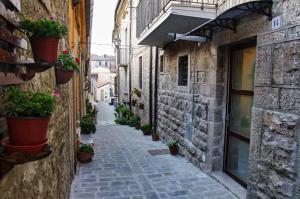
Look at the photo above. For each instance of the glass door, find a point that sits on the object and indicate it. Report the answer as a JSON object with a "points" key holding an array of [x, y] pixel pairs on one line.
{"points": [[239, 112]]}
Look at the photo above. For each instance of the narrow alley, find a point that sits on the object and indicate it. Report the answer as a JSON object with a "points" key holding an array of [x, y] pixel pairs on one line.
{"points": [[123, 168]]}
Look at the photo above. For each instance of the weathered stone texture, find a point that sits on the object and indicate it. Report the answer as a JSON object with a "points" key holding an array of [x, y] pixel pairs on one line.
{"points": [[51, 177], [276, 171]]}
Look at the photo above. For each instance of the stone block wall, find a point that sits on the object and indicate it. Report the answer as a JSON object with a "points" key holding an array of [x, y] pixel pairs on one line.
{"points": [[274, 150], [51, 177]]}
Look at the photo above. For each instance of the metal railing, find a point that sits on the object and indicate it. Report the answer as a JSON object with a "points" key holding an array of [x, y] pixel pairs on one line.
{"points": [[122, 55], [224, 5], [148, 10]]}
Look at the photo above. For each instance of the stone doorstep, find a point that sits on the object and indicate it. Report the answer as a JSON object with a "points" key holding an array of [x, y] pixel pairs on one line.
{"points": [[230, 184]]}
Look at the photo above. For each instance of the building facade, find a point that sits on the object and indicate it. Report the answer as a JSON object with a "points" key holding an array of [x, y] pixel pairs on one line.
{"points": [[103, 73], [225, 86], [52, 176]]}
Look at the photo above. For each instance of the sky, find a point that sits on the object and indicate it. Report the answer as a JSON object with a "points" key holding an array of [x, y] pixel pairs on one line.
{"points": [[103, 24]]}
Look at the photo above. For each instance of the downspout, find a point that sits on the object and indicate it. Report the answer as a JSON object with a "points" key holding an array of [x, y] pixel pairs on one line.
{"points": [[194, 82], [156, 89], [130, 53], [150, 89]]}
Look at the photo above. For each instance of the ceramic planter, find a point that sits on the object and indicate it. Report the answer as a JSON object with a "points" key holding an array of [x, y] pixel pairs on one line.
{"points": [[32, 149], [84, 157], [173, 150], [147, 132], [27, 131], [44, 49], [137, 127], [63, 77], [155, 137]]}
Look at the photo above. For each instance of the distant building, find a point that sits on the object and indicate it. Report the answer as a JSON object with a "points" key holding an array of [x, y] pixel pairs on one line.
{"points": [[103, 77]]}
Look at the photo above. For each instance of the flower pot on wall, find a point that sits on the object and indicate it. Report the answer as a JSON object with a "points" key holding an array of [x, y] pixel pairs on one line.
{"points": [[44, 49], [63, 77], [27, 131]]}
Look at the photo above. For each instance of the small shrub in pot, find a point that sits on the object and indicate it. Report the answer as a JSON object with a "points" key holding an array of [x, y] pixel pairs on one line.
{"points": [[44, 35], [173, 147], [87, 125], [85, 153], [28, 114], [147, 129], [155, 136]]}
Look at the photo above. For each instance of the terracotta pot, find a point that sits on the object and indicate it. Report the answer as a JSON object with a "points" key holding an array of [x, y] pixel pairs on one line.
{"points": [[147, 132], [173, 150], [138, 127], [44, 49], [27, 131], [33, 149], [63, 77], [84, 157], [155, 137]]}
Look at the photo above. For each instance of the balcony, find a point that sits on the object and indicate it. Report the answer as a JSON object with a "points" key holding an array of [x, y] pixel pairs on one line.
{"points": [[122, 55], [157, 18]]}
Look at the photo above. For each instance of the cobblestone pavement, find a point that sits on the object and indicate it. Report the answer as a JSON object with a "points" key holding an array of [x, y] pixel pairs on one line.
{"points": [[124, 169]]}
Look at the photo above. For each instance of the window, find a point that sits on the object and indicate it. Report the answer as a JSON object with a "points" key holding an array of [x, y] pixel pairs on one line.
{"points": [[141, 72], [105, 64], [162, 67], [183, 69]]}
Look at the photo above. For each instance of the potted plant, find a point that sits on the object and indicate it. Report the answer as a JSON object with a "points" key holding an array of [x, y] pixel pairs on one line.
{"points": [[44, 35], [134, 120], [173, 147], [147, 129], [137, 126], [155, 136], [87, 127], [91, 111], [28, 114], [138, 92], [66, 71], [124, 111], [121, 121], [85, 153]]}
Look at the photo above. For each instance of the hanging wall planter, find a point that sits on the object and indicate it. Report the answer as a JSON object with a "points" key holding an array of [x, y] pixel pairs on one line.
{"points": [[44, 37], [65, 72], [28, 115], [141, 106], [44, 49]]}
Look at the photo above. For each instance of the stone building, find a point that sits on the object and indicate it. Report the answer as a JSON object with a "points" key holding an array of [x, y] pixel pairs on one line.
{"points": [[52, 176], [225, 86], [133, 61]]}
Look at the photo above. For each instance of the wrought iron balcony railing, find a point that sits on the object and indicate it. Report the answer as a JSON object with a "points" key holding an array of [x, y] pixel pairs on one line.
{"points": [[148, 10]]}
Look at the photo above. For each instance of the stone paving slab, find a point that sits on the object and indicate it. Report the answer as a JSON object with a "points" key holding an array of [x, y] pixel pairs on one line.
{"points": [[123, 169]]}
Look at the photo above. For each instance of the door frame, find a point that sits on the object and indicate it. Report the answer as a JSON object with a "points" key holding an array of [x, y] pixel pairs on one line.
{"points": [[251, 42]]}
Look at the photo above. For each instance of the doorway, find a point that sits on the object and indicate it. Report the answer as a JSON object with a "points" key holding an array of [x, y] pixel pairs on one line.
{"points": [[240, 102]]}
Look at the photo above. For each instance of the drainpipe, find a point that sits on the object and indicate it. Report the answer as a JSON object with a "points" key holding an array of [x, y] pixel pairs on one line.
{"points": [[150, 88], [130, 53], [156, 88]]}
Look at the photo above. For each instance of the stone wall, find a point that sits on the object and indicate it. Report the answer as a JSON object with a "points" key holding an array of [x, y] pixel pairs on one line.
{"points": [[50, 177], [274, 146]]}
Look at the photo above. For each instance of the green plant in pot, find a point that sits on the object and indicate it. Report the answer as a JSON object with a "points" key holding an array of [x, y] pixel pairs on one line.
{"points": [[155, 136], [28, 114], [65, 72], [147, 129], [134, 121], [87, 125], [44, 35], [85, 153], [173, 147], [121, 121], [124, 111], [91, 111]]}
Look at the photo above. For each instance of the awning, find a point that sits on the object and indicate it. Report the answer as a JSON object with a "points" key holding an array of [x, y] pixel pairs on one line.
{"points": [[228, 18]]}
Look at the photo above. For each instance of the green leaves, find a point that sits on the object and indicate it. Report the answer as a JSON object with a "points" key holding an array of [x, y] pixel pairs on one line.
{"points": [[87, 125], [146, 127], [19, 103], [87, 148], [44, 27], [68, 63]]}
